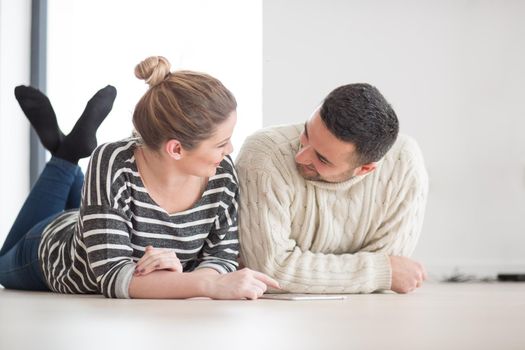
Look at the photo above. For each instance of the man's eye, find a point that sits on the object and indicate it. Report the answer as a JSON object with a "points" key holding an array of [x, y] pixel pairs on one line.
{"points": [[322, 160]]}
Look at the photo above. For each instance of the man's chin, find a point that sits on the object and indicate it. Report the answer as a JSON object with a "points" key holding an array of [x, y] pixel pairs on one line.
{"points": [[308, 174]]}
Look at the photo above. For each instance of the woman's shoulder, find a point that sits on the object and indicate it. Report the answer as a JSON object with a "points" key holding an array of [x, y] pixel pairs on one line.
{"points": [[110, 159], [112, 150]]}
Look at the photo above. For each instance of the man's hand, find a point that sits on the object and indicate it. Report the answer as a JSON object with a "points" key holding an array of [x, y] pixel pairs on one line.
{"points": [[407, 274]]}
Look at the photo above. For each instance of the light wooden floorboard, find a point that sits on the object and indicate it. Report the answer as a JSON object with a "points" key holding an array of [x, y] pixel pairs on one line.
{"points": [[437, 316]]}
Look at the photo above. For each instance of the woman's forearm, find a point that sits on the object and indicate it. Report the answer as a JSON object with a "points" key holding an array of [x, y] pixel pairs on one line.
{"points": [[205, 282], [172, 285]]}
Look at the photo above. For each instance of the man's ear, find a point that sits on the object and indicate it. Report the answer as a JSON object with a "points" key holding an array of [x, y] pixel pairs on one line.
{"points": [[365, 169], [174, 149]]}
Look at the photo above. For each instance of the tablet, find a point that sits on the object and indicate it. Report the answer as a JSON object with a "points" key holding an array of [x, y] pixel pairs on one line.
{"points": [[295, 296]]}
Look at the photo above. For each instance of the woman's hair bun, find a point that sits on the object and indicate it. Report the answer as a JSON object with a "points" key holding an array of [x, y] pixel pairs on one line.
{"points": [[153, 70]]}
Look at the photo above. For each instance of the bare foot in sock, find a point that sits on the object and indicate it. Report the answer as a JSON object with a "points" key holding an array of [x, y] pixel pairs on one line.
{"points": [[41, 115], [82, 140]]}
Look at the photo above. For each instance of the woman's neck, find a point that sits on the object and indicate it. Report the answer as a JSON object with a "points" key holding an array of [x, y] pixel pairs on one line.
{"points": [[159, 171], [168, 186]]}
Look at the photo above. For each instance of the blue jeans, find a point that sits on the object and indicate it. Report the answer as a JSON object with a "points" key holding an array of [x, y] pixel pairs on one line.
{"points": [[57, 189]]}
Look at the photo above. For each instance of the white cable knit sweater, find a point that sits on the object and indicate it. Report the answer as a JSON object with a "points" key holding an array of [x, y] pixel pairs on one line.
{"points": [[317, 237]]}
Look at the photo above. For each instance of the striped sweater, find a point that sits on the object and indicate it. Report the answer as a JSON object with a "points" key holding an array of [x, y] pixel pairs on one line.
{"points": [[95, 249]]}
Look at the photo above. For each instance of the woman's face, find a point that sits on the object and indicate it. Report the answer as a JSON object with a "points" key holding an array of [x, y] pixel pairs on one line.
{"points": [[205, 158]]}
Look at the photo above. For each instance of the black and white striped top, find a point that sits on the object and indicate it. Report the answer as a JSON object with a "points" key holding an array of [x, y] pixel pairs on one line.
{"points": [[94, 250]]}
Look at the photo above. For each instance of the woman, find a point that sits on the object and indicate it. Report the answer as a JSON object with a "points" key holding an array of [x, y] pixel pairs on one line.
{"points": [[158, 213]]}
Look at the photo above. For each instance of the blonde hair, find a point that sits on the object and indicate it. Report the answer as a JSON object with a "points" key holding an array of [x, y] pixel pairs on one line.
{"points": [[183, 105]]}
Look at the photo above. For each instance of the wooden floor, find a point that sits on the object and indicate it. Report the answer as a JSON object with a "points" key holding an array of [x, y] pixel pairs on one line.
{"points": [[438, 316]]}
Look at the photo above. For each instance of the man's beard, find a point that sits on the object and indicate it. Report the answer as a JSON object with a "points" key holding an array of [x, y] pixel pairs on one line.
{"points": [[309, 173]]}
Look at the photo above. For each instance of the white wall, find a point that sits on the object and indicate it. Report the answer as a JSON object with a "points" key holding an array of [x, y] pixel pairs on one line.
{"points": [[99, 42], [15, 35], [221, 38], [454, 72]]}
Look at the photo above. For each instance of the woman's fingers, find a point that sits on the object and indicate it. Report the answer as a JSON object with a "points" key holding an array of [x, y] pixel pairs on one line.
{"points": [[256, 288], [255, 292], [161, 263], [260, 287], [152, 256], [256, 283], [157, 259], [270, 282]]}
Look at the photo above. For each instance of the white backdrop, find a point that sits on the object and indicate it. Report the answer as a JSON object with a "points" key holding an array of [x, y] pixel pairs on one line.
{"points": [[454, 72], [15, 33], [98, 42]]}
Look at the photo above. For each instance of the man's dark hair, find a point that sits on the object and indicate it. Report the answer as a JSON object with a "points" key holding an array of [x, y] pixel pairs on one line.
{"points": [[359, 114]]}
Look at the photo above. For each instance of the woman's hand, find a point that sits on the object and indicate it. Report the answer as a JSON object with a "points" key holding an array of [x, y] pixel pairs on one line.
{"points": [[157, 259], [242, 284]]}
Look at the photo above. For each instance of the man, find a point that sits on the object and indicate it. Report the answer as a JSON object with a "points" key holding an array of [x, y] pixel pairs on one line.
{"points": [[334, 205]]}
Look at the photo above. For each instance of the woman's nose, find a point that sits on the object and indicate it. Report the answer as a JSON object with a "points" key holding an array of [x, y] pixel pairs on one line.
{"points": [[228, 149]]}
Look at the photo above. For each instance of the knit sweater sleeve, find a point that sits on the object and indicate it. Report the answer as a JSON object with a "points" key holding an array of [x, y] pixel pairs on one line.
{"points": [[269, 244], [105, 230]]}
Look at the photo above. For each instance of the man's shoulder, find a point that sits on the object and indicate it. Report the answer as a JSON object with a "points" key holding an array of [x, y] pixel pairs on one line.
{"points": [[276, 135], [403, 158], [405, 149], [271, 151], [271, 143]]}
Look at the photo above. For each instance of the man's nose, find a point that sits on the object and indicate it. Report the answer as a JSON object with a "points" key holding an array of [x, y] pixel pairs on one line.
{"points": [[302, 157]]}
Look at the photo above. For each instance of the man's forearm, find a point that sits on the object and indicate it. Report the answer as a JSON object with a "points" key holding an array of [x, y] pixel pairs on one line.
{"points": [[308, 272]]}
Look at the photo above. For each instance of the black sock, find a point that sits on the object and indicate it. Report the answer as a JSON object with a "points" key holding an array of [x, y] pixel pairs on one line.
{"points": [[39, 111], [82, 140]]}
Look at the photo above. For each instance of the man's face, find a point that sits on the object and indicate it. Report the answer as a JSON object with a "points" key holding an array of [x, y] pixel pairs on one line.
{"points": [[323, 157]]}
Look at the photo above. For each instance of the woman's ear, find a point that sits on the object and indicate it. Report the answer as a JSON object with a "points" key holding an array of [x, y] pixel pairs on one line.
{"points": [[174, 149]]}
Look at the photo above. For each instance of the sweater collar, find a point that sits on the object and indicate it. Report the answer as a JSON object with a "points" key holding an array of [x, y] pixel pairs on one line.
{"points": [[337, 186]]}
